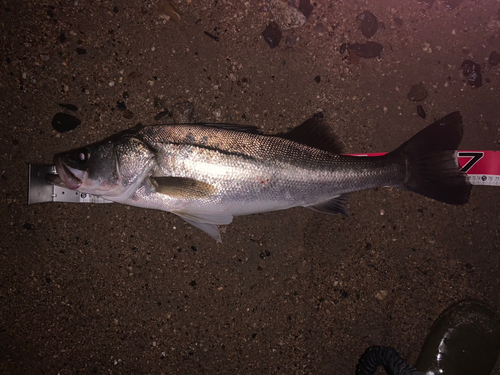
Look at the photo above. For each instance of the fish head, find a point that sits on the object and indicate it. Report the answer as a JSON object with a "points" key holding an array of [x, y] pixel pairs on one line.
{"points": [[112, 168]]}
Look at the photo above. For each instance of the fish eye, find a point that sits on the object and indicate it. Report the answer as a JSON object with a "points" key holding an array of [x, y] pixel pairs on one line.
{"points": [[83, 155]]}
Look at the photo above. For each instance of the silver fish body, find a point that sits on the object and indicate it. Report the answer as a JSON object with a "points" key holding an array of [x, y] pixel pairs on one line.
{"points": [[209, 174]]}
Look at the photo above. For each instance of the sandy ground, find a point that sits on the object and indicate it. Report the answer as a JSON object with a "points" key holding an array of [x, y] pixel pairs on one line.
{"points": [[112, 289]]}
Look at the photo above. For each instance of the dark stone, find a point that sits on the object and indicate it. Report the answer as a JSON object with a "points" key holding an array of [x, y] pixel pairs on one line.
{"points": [[63, 122], [369, 23], [398, 21], [160, 115], [494, 58], [265, 254], [472, 71], [272, 34], [115, 9], [159, 103], [125, 95], [27, 226], [121, 105], [306, 8], [81, 51], [127, 114], [421, 111], [62, 38], [317, 79], [70, 107], [343, 48], [216, 38], [367, 50], [417, 93]]}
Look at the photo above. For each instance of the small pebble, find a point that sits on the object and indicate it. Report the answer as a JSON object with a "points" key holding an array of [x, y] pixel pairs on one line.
{"points": [[272, 34], [417, 93], [216, 38], [381, 295], [265, 254], [159, 103], [121, 105], [367, 50], [167, 10], [398, 21], [494, 58], [81, 51], [127, 114], [306, 8], [70, 107], [472, 71], [286, 16], [160, 115], [421, 112], [369, 24]]}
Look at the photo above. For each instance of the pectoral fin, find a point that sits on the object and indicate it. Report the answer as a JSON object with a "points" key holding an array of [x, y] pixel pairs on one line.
{"points": [[206, 221], [182, 187]]}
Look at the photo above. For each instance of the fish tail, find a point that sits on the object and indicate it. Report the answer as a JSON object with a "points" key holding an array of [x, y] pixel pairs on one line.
{"points": [[431, 162]]}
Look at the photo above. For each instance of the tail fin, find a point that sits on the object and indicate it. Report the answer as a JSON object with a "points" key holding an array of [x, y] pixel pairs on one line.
{"points": [[432, 164]]}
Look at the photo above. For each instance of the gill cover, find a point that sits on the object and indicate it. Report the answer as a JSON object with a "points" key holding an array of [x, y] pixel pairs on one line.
{"points": [[111, 168]]}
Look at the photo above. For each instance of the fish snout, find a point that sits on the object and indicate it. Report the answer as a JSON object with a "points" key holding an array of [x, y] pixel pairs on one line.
{"points": [[66, 174]]}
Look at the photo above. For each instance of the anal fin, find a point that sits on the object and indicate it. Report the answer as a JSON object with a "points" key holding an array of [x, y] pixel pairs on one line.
{"points": [[337, 205]]}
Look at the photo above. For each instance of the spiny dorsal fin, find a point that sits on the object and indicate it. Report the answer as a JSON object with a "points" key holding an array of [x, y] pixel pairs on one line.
{"points": [[315, 133], [235, 127], [182, 187]]}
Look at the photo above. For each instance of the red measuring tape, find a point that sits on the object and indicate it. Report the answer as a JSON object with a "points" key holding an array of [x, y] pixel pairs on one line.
{"points": [[480, 167]]}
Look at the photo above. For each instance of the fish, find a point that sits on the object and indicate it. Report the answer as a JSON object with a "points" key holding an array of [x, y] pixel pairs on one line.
{"points": [[209, 173]]}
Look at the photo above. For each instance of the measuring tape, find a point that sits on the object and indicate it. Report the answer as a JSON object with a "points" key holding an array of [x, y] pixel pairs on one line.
{"points": [[479, 167]]}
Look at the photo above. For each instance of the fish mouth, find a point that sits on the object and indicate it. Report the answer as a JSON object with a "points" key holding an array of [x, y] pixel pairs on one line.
{"points": [[66, 176]]}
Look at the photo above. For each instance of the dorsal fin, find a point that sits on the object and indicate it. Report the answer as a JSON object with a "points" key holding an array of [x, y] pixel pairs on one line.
{"points": [[240, 128], [315, 133]]}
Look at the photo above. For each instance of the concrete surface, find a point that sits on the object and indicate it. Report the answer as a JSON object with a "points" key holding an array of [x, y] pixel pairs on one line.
{"points": [[109, 289]]}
